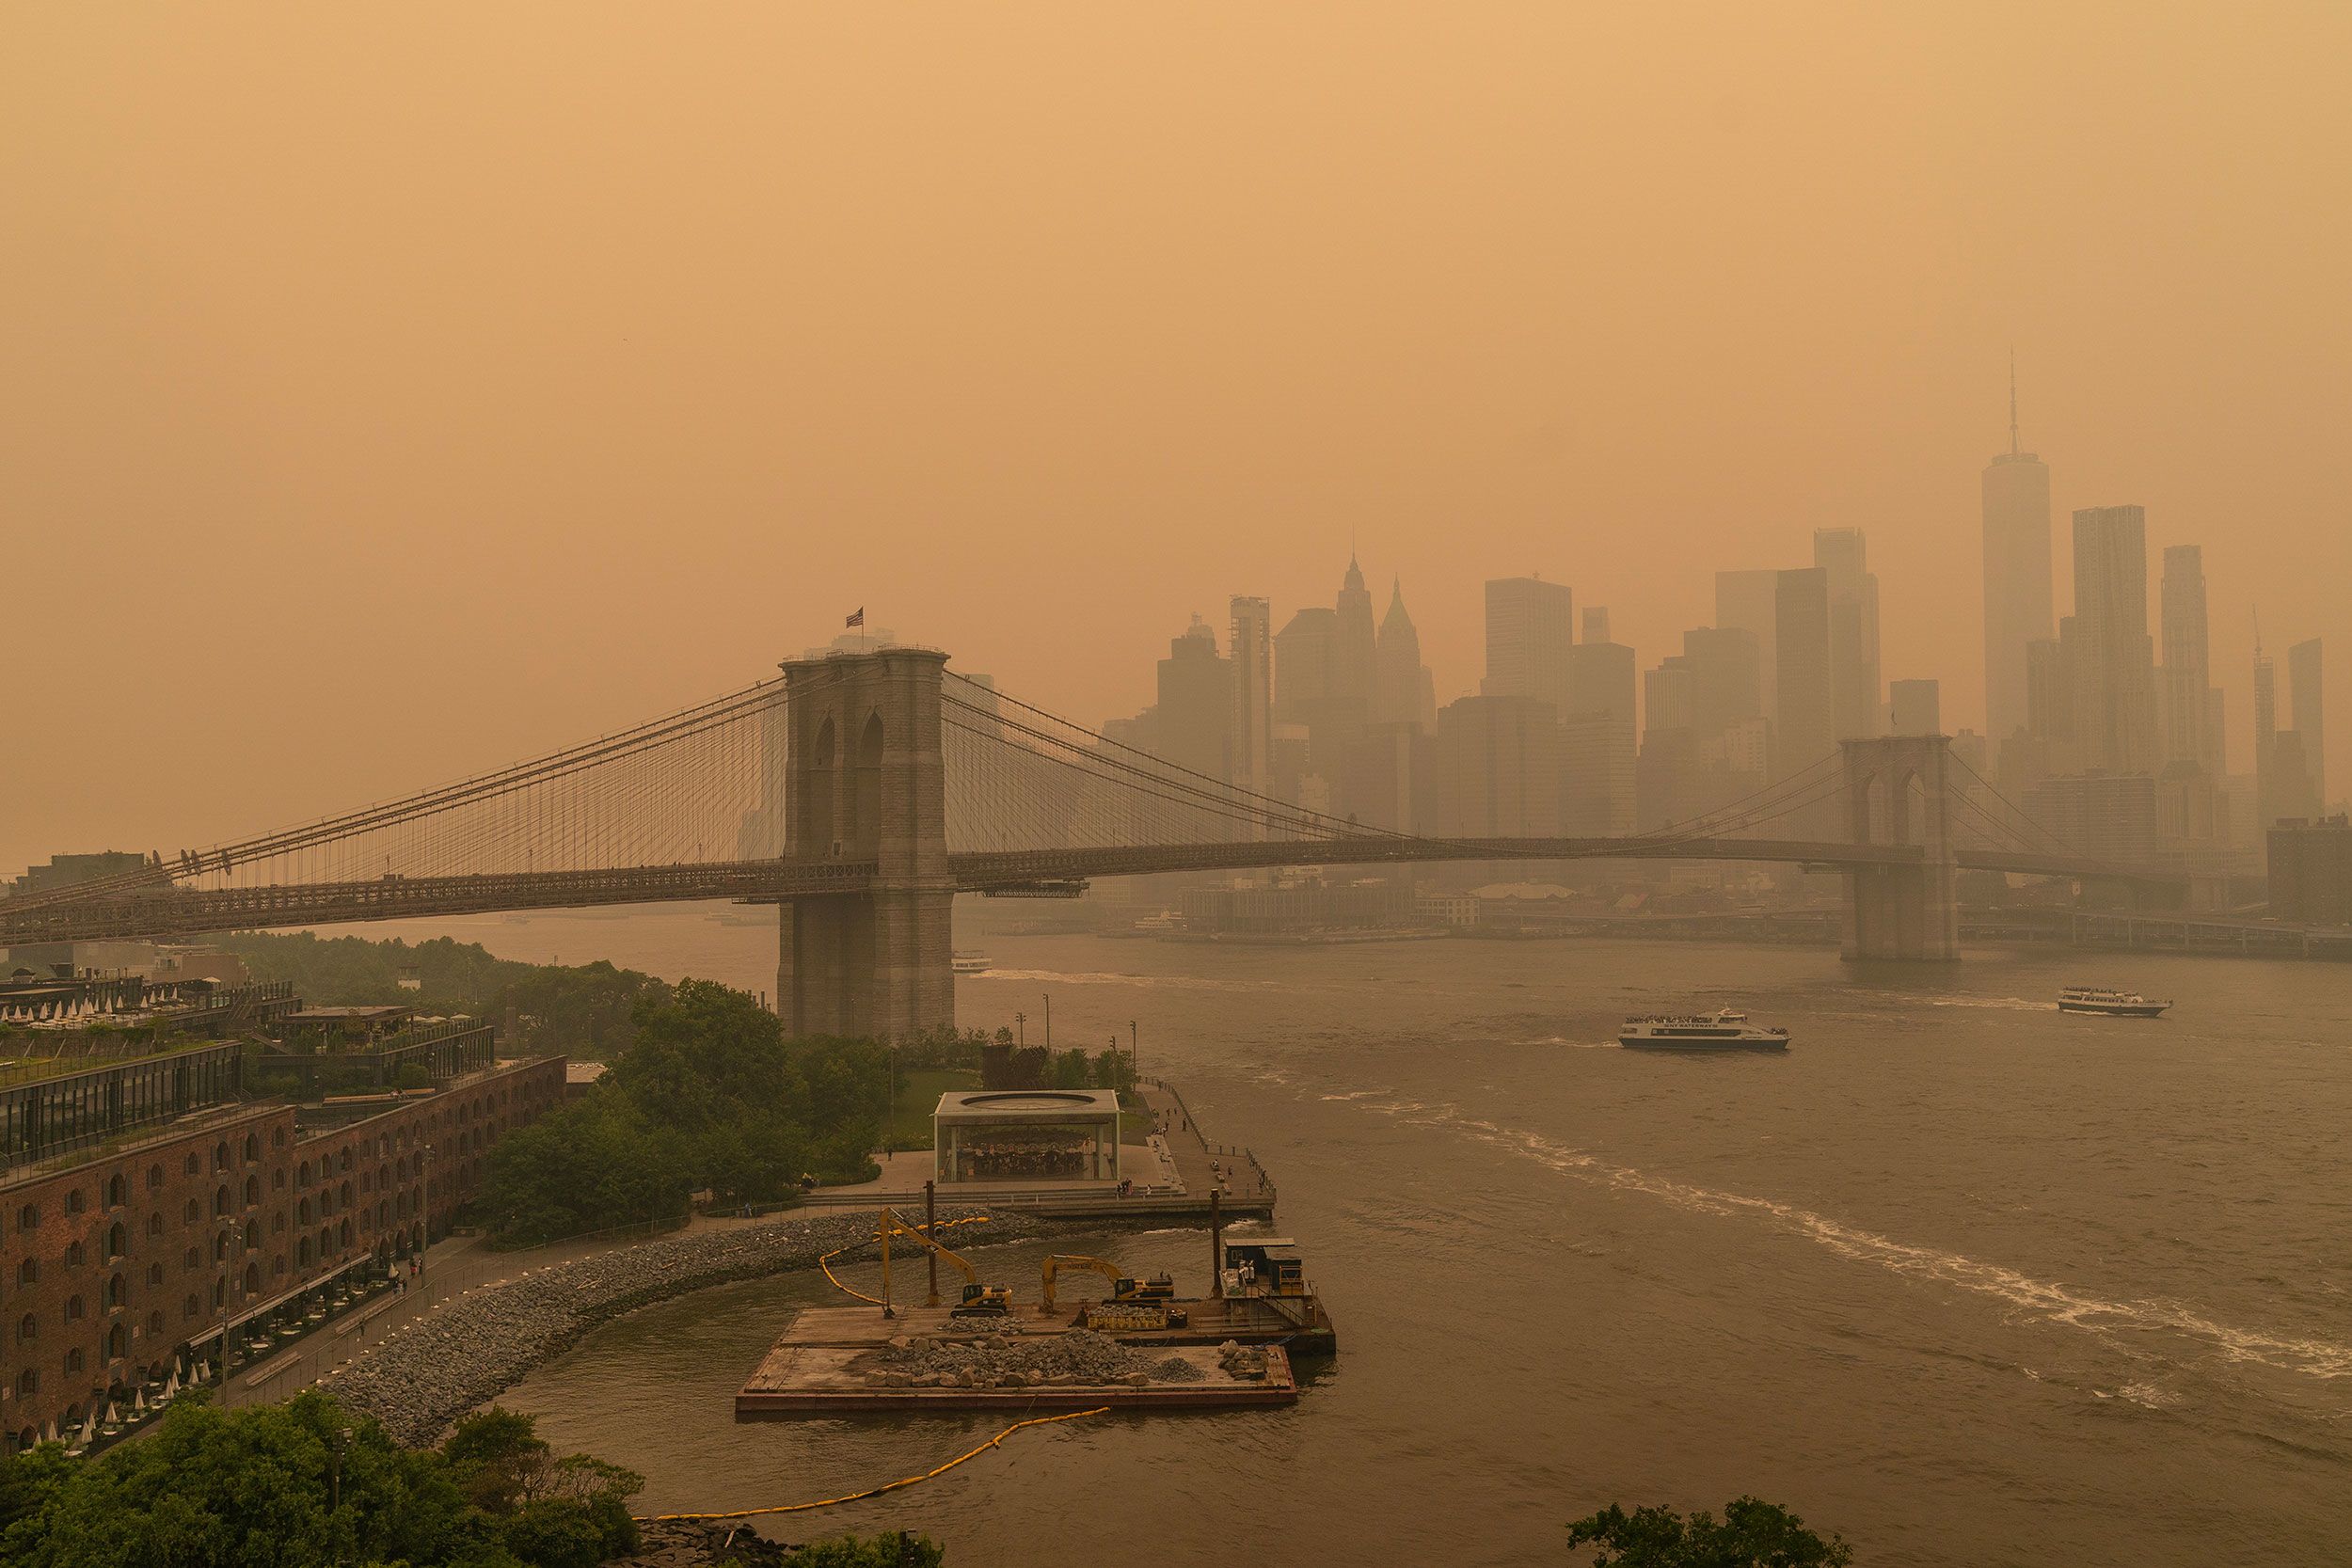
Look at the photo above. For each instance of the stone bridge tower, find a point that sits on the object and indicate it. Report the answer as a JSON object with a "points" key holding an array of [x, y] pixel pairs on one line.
{"points": [[863, 781], [1896, 790]]}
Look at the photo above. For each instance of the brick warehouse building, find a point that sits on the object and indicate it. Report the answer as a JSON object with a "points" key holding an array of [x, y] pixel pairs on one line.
{"points": [[116, 1267]]}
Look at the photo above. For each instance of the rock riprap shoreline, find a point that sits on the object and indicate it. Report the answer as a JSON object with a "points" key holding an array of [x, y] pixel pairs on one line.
{"points": [[477, 1345]]}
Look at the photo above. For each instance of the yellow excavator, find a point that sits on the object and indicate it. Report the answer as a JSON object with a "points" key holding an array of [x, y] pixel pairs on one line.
{"points": [[979, 1300], [1134, 1304]]}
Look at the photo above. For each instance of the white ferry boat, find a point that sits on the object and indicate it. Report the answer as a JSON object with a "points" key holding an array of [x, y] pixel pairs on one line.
{"points": [[2113, 1003], [973, 963], [1722, 1030]]}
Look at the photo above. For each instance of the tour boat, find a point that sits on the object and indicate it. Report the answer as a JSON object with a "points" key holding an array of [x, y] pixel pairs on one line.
{"points": [[973, 963], [1722, 1030], [2113, 1003]]}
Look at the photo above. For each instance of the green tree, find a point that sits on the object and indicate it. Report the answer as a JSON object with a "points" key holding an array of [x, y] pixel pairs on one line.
{"points": [[1071, 1069], [297, 1484], [701, 1055], [304, 1485], [892, 1549], [1751, 1534], [583, 1010], [585, 1167], [489, 1454]]}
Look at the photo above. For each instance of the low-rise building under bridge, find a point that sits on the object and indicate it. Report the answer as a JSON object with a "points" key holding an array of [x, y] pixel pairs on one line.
{"points": [[861, 793]]}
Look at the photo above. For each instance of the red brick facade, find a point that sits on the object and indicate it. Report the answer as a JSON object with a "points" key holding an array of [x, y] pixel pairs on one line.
{"points": [[111, 1269]]}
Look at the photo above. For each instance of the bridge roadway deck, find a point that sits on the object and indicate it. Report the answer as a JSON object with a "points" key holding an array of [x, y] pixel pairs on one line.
{"points": [[164, 912]]}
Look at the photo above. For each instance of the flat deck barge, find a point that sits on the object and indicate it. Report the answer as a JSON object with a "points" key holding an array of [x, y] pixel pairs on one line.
{"points": [[819, 1380], [1300, 1326]]}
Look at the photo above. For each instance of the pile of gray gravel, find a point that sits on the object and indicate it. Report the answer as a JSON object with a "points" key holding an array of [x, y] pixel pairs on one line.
{"points": [[997, 1361]]}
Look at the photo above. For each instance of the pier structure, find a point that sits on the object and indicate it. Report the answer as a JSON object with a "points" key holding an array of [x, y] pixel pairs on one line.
{"points": [[1173, 1173]]}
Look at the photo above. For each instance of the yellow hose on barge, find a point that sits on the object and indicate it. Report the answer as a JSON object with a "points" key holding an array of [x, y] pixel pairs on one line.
{"points": [[887, 1486]]}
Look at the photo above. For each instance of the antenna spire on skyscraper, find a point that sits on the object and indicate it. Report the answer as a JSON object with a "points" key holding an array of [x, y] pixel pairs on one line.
{"points": [[2012, 402]]}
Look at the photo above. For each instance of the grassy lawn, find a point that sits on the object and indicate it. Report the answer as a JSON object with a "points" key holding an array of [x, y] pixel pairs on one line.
{"points": [[910, 1123]]}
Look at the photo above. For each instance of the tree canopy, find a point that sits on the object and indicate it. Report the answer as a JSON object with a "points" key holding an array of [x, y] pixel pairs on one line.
{"points": [[1751, 1534], [708, 1095], [308, 1483], [583, 1010]]}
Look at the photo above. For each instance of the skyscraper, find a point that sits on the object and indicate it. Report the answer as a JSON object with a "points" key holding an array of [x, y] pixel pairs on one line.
{"points": [[2265, 737], [1704, 743], [1353, 649], [1745, 600], [1529, 628], [1598, 761], [1253, 656], [1726, 681], [2187, 674], [1596, 624], [1403, 692], [2310, 722], [1498, 765], [1302, 666], [1801, 670], [2017, 599], [1192, 723], [1853, 630], [2112, 657]]}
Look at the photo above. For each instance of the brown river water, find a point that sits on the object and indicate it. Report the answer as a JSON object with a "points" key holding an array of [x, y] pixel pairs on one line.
{"points": [[1967, 1280]]}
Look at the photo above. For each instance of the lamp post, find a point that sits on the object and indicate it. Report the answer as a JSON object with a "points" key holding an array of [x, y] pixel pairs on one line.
{"points": [[1021, 1030], [1134, 1054], [1049, 1019], [425, 1174], [335, 1468], [228, 1251]]}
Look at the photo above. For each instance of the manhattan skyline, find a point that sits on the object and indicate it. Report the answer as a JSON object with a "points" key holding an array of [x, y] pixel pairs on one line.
{"points": [[1055, 381]]}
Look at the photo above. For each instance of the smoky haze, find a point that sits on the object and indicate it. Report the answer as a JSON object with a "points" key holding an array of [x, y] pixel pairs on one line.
{"points": [[390, 393]]}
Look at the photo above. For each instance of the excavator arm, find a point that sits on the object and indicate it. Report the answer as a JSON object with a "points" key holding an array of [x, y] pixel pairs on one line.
{"points": [[1073, 1260], [892, 1224]]}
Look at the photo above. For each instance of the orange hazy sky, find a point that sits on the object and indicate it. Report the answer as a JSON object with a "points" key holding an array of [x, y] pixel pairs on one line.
{"points": [[393, 391]]}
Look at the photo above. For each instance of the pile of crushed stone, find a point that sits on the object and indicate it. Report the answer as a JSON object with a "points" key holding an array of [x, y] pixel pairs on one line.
{"points": [[1000, 1361]]}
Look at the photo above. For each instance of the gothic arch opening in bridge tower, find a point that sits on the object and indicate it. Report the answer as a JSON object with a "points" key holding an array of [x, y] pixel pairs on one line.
{"points": [[816, 781], [863, 828]]}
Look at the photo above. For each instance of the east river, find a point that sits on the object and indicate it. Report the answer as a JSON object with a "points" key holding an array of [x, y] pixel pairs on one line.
{"points": [[1967, 1280]]}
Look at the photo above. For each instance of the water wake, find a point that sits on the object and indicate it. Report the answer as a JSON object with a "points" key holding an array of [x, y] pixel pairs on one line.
{"points": [[1170, 982], [2051, 1301]]}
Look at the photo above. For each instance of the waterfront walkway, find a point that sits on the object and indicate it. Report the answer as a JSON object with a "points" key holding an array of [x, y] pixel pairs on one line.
{"points": [[1202, 1164], [452, 1266]]}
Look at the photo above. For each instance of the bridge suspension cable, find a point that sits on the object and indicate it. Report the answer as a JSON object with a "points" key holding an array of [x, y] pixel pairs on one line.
{"points": [[1034, 780], [1147, 772], [681, 788], [2024, 830]]}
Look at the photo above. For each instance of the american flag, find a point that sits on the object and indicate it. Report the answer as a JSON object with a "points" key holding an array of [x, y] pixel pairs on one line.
{"points": [[858, 618]]}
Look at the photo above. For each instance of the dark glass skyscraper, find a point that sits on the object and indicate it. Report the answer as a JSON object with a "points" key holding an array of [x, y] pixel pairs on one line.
{"points": [[2109, 650], [2017, 599]]}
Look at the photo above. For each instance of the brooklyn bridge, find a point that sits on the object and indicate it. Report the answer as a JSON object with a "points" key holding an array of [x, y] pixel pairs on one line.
{"points": [[861, 793]]}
